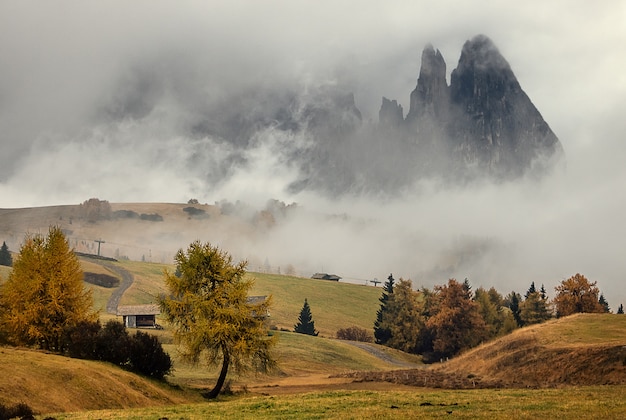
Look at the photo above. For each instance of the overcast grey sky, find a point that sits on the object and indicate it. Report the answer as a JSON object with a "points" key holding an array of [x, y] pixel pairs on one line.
{"points": [[64, 61]]}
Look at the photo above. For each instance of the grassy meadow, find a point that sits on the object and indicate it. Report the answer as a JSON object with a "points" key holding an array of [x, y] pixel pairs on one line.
{"points": [[565, 403], [302, 389], [333, 305]]}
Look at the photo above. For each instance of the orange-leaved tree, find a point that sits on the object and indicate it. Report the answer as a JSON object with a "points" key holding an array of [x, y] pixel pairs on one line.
{"points": [[456, 323], [44, 294], [577, 295]]}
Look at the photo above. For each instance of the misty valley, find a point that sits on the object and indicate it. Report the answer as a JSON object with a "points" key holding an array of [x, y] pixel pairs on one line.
{"points": [[383, 210]]}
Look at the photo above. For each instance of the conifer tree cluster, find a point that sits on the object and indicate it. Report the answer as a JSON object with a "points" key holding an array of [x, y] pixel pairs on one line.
{"points": [[440, 323]]}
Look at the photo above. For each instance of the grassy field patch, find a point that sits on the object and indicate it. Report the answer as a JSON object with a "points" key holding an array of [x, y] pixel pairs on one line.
{"points": [[565, 403]]}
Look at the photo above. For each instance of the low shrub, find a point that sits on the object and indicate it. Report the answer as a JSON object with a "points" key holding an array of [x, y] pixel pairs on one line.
{"points": [[20, 410], [155, 217], [147, 356], [355, 334], [81, 340], [196, 212], [113, 344], [125, 214]]}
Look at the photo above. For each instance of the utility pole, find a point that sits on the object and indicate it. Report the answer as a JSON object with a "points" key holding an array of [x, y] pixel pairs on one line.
{"points": [[100, 241]]}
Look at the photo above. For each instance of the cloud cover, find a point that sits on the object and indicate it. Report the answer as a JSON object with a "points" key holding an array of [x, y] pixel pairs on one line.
{"points": [[95, 98]]}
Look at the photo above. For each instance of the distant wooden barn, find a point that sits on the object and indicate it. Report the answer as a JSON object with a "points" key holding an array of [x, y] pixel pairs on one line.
{"points": [[139, 316], [325, 276]]}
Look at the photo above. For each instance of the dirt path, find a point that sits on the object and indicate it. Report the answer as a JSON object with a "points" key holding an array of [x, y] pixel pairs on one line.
{"points": [[127, 281], [325, 382], [376, 351]]}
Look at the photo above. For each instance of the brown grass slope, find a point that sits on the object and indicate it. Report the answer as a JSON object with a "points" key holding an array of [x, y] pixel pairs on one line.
{"points": [[582, 349], [50, 383]]}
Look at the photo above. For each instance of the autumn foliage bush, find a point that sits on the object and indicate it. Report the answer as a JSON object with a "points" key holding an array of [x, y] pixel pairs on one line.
{"points": [[355, 334]]}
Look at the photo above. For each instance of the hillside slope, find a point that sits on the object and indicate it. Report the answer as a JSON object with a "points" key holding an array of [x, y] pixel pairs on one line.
{"points": [[50, 383], [583, 349], [334, 305]]}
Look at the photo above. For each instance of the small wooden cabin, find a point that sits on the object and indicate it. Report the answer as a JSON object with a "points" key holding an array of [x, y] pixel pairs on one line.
{"points": [[325, 276], [139, 316]]}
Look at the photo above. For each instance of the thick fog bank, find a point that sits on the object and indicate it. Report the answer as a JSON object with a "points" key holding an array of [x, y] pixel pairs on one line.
{"points": [[110, 100]]}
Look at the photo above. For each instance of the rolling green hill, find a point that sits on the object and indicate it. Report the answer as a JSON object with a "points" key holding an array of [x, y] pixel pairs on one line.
{"points": [[52, 383], [334, 305]]}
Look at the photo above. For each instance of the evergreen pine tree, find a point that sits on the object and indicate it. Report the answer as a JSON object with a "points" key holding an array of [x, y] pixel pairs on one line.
{"points": [[5, 255], [513, 302], [467, 288], [382, 332], [602, 301], [531, 289], [542, 291], [620, 310], [305, 324], [534, 309]]}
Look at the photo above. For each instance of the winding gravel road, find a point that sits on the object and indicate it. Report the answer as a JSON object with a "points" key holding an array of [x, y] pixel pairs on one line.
{"points": [[127, 281]]}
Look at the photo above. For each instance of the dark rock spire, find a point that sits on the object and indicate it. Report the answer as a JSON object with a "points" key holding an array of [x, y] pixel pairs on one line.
{"points": [[430, 97], [495, 126], [391, 113]]}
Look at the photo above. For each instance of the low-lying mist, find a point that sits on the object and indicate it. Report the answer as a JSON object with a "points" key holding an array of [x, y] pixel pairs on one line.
{"points": [[88, 111]]}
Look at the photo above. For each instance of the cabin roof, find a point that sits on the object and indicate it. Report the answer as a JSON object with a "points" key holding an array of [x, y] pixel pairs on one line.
{"points": [[150, 309]]}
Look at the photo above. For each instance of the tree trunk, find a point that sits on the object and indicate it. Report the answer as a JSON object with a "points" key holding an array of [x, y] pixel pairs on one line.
{"points": [[220, 381]]}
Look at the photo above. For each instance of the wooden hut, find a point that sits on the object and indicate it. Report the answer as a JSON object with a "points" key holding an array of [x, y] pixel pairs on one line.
{"points": [[139, 316]]}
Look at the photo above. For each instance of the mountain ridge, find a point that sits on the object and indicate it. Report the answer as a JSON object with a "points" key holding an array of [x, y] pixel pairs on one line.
{"points": [[480, 126]]}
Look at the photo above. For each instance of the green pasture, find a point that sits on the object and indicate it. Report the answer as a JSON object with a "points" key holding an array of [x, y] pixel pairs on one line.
{"points": [[600, 402]]}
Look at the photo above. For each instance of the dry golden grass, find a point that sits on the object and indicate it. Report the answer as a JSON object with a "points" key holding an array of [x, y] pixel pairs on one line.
{"points": [[582, 349], [4, 273], [52, 383]]}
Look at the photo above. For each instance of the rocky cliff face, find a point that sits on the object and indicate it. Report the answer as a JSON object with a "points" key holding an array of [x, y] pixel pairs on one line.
{"points": [[482, 123], [431, 98]]}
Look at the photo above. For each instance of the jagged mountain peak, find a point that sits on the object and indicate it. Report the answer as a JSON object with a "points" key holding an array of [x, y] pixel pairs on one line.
{"points": [[430, 96], [482, 123]]}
